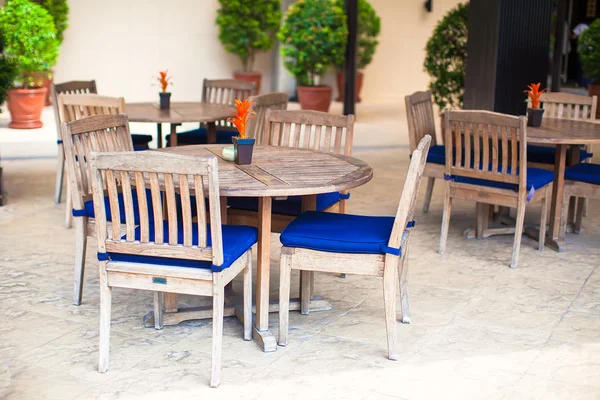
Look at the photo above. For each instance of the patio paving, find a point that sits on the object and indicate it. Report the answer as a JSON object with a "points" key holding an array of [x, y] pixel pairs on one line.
{"points": [[479, 329]]}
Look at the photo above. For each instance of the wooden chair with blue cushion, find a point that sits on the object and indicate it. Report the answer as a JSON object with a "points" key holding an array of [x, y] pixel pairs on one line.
{"points": [[354, 244], [80, 138], [490, 167], [217, 91], [421, 122], [583, 181], [301, 129], [174, 255]]}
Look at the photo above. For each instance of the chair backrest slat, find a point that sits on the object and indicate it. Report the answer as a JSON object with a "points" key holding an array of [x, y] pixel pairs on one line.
{"points": [[72, 87], [420, 117], [224, 91], [262, 103], [501, 138], [304, 129], [175, 173], [569, 106]]}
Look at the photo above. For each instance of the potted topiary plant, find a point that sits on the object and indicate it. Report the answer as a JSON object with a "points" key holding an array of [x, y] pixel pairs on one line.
{"points": [[30, 39], [589, 55], [59, 10], [247, 27], [314, 36], [445, 58], [534, 112], [165, 97], [369, 26], [243, 146]]}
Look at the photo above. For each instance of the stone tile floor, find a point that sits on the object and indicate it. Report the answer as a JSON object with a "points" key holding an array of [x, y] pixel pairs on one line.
{"points": [[479, 329]]}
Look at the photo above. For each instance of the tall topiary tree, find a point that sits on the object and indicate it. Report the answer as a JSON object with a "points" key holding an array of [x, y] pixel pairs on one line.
{"points": [[247, 27], [59, 10], [29, 38], [446, 56], [313, 36], [589, 52]]}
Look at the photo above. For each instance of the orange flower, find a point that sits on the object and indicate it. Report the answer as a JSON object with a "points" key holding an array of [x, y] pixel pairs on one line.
{"points": [[164, 80], [242, 115], [534, 94]]}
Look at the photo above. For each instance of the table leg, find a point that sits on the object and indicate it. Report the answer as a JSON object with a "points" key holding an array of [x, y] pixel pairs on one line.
{"points": [[159, 135], [173, 136], [211, 135], [262, 335], [554, 241], [573, 160], [309, 203]]}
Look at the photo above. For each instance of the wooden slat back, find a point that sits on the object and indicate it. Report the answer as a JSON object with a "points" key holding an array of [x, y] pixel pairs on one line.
{"points": [[72, 87], [224, 91], [177, 237], [107, 133], [72, 107], [410, 192], [420, 118], [309, 130], [487, 145], [569, 106], [262, 103]]}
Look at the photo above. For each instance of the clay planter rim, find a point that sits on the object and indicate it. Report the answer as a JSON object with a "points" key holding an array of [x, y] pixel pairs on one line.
{"points": [[249, 76], [22, 106], [317, 98], [244, 148]]}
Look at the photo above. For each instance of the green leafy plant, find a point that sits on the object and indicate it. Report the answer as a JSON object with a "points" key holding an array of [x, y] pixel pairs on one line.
{"points": [[247, 27], [446, 56], [29, 38], [314, 36], [589, 51], [8, 74], [59, 10], [369, 27]]}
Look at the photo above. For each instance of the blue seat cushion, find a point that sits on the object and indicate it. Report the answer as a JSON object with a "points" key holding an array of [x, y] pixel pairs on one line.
{"points": [[339, 233], [536, 179], [437, 154], [140, 141], [88, 207], [588, 173], [237, 239], [200, 136], [290, 206], [547, 155]]}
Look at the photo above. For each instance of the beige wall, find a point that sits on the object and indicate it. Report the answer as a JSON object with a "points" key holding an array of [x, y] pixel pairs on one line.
{"points": [[124, 43]]}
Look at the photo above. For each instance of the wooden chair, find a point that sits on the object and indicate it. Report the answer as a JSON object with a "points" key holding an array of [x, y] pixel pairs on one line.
{"points": [[218, 91], [167, 256], [80, 138], [262, 103], [421, 122], [490, 167], [582, 181], [353, 244], [302, 129]]}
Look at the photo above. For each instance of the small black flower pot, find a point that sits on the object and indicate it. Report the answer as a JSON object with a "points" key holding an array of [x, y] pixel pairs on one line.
{"points": [[243, 147], [534, 117], [165, 100]]}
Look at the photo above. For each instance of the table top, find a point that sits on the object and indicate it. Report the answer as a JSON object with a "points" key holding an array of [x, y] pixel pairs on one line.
{"points": [[179, 112], [283, 171], [564, 131]]}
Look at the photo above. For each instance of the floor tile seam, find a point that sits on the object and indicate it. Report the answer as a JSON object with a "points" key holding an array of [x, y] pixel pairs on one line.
{"points": [[566, 381]]}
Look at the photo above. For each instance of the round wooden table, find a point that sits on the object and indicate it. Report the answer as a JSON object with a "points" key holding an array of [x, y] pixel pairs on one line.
{"points": [[562, 133], [274, 172], [179, 113]]}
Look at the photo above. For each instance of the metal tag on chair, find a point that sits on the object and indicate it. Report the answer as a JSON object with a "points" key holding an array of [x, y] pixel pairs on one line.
{"points": [[162, 281]]}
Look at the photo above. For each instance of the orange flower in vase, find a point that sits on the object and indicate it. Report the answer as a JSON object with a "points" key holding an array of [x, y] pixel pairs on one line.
{"points": [[165, 97], [534, 113], [243, 145]]}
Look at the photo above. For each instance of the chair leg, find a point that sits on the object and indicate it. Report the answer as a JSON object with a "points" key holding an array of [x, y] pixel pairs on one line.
{"points": [[80, 249], [445, 220], [305, 278], [564, 216], [544, 218], [518, 231], [158, 310], [248, 301], [428, 194], [582, 205], [285, 272], [69, 208], [60, 173], [585, 207], [217, 340], [389, 300], [105, 310], [404, 294]]}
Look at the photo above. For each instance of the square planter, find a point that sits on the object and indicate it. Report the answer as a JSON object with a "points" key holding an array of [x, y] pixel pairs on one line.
{"points": [[243, 150]]}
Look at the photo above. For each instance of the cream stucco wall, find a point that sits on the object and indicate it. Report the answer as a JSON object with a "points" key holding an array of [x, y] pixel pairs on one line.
{"points": [[124, 43]]}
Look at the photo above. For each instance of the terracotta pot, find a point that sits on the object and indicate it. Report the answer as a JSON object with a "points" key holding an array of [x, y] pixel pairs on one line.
{"points": [[315, 98], [340, 85], [594, 90], [25, 106], [249, 77], [45, 79]]}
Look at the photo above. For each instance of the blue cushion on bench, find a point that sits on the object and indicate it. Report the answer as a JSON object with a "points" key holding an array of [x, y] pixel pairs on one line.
{"points": [[290, 206], [547, 155], [437, 154], [339, 233], [536, 178], [237, 239], [88, 207], [589, 173], [200, 136]]}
